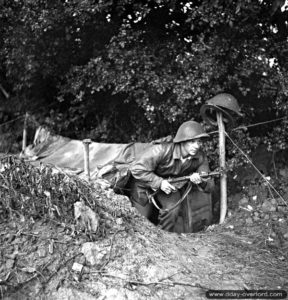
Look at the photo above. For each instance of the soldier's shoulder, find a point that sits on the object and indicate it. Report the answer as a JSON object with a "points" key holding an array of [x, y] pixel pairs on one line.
{"points": [[162, 148]]}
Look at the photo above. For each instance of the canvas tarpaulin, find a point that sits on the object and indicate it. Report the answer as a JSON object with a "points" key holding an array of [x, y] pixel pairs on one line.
{"points": [[67, 153]]}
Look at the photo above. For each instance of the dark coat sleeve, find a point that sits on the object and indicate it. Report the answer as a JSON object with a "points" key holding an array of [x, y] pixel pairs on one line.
{"points": [[143, 168], [207, 185]]}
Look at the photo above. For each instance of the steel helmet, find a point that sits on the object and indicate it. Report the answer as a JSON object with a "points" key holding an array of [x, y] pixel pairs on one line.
{"points": [[188, 131], [225, 101]]}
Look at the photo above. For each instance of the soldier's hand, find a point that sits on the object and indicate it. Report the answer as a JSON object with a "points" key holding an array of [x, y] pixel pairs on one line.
{"points": [[166, 187], [204, 176], [196, 178]]}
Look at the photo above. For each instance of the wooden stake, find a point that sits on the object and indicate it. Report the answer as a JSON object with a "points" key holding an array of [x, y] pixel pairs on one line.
{"points": [[24, 139], [188, 226], [222, 163], [86, 144]]}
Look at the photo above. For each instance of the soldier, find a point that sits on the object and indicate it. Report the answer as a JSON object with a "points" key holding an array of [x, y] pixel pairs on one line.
{"points": [[150, 173]]}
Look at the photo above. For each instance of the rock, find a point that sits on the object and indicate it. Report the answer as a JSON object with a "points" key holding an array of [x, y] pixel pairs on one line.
{"points": [[267, 206], [254, 198], [93, 253], [51, 247], [108, 223], [71, 294], [41, 252], [119, 221], [34, 248], [10, 238], [109, 193], [10, 263], [256, 218], [285, 236], [282, 208], [204, 252], [243, 201], [77, 267], [249, 221], [113, 293], [29, 269], [38, 287], [86, 218], [230, 285], [284, 172], [81, 260], [249, 207]]}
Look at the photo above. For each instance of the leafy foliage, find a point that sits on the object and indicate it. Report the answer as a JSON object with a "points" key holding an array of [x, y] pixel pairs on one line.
{"points": [[37, 192], [126, 70], [32, 193]]}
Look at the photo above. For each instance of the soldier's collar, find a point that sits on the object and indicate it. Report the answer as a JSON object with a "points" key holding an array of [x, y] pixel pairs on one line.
{"points": [[178, 155]]}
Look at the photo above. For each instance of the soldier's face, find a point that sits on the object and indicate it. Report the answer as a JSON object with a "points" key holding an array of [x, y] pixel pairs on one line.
{"points": [[192, 146]]}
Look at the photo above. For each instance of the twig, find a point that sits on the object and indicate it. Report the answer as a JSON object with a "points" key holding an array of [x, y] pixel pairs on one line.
{"points": [[35, 270], [168, 277], [110, 252], [43, 238], [58, 223], [15, 288], [72, 177], [5, 282], [61, 266], [172, 283], [6, 181], [47, 264]]}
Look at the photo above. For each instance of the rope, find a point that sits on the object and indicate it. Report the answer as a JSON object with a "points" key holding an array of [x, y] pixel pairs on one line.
{"points": [[23, 116], [2, 124], [252, 125], [269, 184], [260, 123], [168, 210]]}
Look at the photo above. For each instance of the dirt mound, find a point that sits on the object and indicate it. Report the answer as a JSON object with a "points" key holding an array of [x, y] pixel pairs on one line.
{"points": [[46, 256]]}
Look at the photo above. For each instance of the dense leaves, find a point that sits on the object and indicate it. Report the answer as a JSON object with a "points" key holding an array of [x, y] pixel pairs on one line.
{"points": [[37, 192], [49, 193], [119, 71]]}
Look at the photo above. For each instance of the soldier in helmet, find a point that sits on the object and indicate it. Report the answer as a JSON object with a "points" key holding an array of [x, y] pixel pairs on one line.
{"points": [[184, 156]]}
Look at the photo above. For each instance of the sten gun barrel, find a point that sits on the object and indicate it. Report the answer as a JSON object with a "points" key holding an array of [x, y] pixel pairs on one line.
{"points": [[202, 175]]}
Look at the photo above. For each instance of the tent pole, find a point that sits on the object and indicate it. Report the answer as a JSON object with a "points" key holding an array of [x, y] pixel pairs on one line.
{"points": [[86, 144], [223, 178]]}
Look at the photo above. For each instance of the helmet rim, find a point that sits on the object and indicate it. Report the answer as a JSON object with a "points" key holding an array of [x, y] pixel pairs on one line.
{"points": [[190, 130], [226, 101]]}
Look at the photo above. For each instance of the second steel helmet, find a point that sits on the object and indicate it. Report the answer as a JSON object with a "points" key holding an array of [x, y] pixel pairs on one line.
{"points": [[223, 103], [226, 101], [188, 131]]}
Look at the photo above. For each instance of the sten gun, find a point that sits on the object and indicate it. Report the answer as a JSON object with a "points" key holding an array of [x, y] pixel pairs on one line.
{"points": [[202, 175], [180, 181]]}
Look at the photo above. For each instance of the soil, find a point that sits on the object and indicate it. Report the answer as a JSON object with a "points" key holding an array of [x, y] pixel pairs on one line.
{"points": [[42, 259], [129, 257]]}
